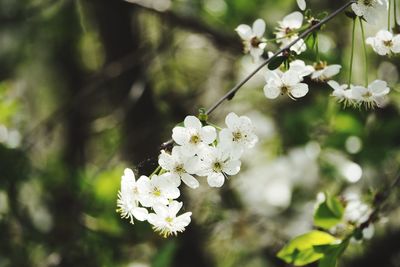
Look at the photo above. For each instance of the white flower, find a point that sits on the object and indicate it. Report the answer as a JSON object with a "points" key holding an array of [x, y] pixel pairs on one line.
{"points": [[193, 136], [216, 164], [384, 43], [128, 198], [288, 32], [160, 189], [301, 4], [375, 94], [165, 221], [284, 83], [324, 72], [356, 212], [341, 92], [253, 40], [180, 166], [369, 9], [301, 68], [238, 136]]}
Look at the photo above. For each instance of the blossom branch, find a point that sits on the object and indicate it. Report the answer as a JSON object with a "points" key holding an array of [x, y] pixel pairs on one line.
{"points": [[313, 27], [231, 93]]}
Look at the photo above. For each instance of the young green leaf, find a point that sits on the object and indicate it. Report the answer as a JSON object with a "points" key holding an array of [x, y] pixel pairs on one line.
{"points": [[300, 250], [276, 62], [329, 213]]}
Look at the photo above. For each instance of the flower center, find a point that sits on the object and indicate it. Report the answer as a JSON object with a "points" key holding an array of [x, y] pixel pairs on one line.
{"points": [[288, 30], [194, 139], [320, 65], [156, 192], [237, 136], [369, 3], [388, 43], [217, 167], [255, 41], [179, 168], [169, 220], [284, 90], [367, 95]]}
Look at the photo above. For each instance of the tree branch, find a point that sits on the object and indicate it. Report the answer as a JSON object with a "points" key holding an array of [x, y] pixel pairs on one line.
{"points": [[231, 93]]}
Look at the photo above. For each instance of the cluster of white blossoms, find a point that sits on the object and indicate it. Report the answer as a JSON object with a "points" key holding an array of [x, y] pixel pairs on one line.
{"points": [[288, 79], [373, 95], [199, 151], [356, 213]]}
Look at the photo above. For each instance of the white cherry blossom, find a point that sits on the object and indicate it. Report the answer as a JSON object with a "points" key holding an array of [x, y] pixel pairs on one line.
{"points": [[288, 32], [369, 9], [341, 92], [324, 72], [216, 164], [193, 136], [252, 37], [165, 219], [374, 95], [356, 211], [385, 43], [179, 166], [128, 198], [289, 83], [238, 136], [158, 189]]}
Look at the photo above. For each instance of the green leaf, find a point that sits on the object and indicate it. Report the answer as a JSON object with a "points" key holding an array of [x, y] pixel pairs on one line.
{"points": [[300, 251], [329, 213], [311, 40], [276, 62], [332, 253]]}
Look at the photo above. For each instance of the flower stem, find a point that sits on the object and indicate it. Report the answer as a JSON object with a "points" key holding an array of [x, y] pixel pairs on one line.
{"points": [[389, 11], [352, 50], [365, 52], [156, 170], [317, 47]]}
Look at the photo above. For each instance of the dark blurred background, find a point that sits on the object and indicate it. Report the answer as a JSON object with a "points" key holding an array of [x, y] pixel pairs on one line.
{"points": [[89, 87]]}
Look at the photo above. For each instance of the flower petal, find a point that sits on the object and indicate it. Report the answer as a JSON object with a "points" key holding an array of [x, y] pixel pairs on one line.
{"points": [[216, 179], [190, 181], [244, 31], [259, 28]]}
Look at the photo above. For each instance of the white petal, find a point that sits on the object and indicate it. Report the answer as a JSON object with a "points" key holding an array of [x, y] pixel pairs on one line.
{"points": [[244, 31], [232, 120], [293, 20], [140, 213], [259, 28], [174, 208], [378, 87], [301, 4], [396, 44], [166, 161], [384, 35], [332, 70], [271, 92], [192, 122], [216, 180], [299, 90], [180, 135], [232, 167], [190, 181], [208, 134], [290, 78]]}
